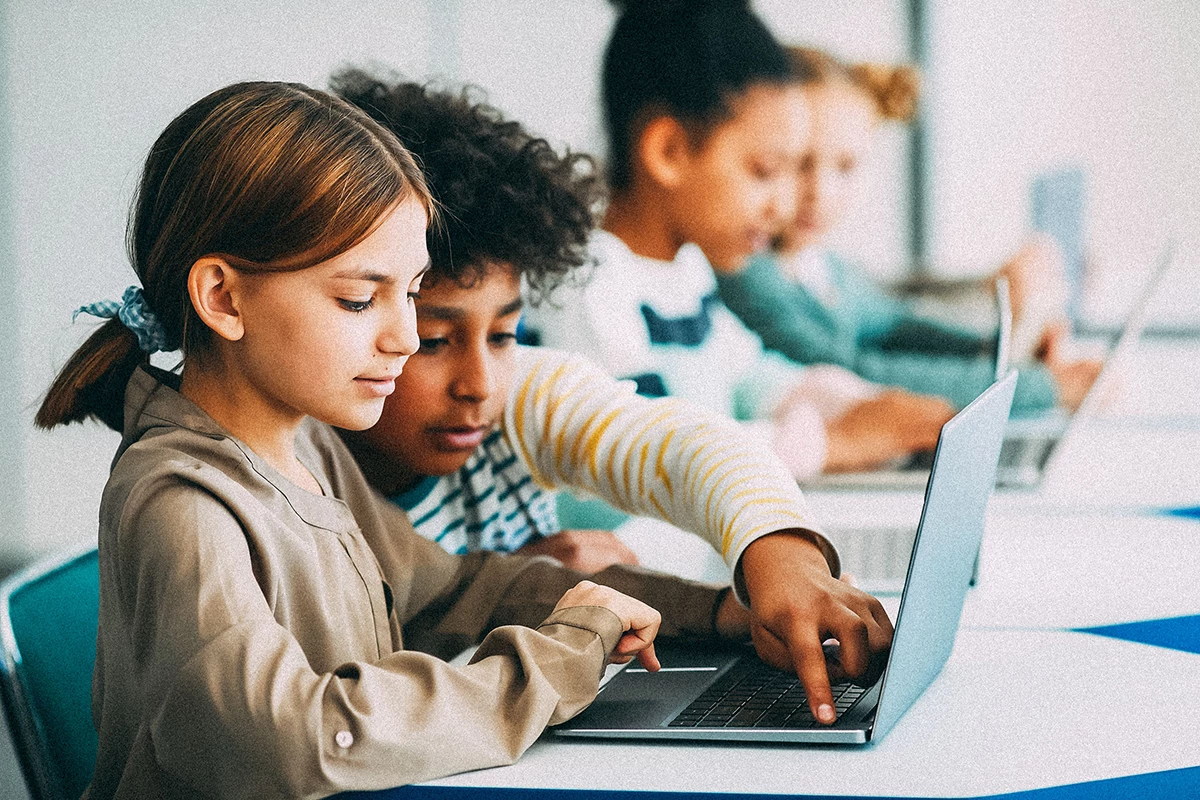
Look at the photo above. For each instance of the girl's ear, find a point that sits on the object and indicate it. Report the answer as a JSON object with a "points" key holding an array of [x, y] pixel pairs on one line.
{"points": [[664, 150], [215, 289]]}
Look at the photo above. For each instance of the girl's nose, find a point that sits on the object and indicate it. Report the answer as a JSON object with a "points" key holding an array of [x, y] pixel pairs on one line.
{"points": [[783, 203], [399, 333]]}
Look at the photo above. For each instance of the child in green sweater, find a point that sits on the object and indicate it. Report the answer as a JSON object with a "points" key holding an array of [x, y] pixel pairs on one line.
{"points": [[813, 307]]}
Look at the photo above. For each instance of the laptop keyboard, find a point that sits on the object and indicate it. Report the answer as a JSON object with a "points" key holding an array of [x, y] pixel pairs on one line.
{"points": [[754, 695]]}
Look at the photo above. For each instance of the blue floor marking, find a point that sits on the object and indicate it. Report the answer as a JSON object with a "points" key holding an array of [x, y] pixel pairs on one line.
{"points": [[1189, 512], [1176, 633], [1148, 786]]}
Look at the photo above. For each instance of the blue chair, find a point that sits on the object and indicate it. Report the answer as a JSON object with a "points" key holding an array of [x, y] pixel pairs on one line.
{"points": [[49, 613]]}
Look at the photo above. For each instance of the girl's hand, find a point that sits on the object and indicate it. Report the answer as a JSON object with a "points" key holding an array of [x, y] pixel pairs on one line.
{"points": [[639, 621], [1036, 276], [892, 425], [1074, 379], [583, 550]]}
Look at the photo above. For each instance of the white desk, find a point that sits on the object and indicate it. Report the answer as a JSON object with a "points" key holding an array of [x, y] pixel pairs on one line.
{"points": [[1012, 711], [1068, 571], [1024, 702]]}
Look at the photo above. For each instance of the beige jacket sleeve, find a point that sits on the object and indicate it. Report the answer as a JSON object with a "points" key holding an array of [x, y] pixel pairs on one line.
{"points": [[234, 708], [449, 602]]}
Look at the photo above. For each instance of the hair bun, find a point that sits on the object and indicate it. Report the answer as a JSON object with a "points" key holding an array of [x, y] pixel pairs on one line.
{"points": [[894, 89]]}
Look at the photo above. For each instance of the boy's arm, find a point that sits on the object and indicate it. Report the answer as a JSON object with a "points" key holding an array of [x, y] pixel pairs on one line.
{"points": [[577, 427], [447, 602]]}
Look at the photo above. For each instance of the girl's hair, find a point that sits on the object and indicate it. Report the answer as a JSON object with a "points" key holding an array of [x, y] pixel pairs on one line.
{"points": [[893, 89], [505, 195], [686, 58], [271, 177]]}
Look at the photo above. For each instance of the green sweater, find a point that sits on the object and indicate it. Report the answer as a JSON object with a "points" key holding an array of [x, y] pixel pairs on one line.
{"points": [[873, 334]]}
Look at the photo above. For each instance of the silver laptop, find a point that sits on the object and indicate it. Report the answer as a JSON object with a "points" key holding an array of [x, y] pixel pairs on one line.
{"points": [[707, 692], [913, 472], [1032, 444]]}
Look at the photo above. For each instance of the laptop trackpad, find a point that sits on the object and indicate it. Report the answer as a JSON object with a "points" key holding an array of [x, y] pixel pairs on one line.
{"points": [[647, 699]]}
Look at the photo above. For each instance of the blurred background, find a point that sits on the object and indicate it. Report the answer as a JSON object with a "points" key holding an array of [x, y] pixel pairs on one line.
{"points": [[1021, 99], [1017, 94]]}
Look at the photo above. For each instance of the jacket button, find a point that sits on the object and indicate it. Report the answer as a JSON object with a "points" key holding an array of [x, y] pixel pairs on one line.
{"points": [[344, 739]]}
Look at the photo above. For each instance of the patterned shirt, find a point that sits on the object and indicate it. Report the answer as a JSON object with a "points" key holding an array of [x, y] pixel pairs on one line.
{"points": [[661, 324], [491, 503]]}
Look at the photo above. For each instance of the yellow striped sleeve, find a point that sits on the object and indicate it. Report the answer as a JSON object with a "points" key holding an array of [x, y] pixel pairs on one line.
{"points": [[578, 428]]}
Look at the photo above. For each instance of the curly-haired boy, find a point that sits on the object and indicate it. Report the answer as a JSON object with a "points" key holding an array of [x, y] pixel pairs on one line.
{"points": [[480, 429], [514, 212]]}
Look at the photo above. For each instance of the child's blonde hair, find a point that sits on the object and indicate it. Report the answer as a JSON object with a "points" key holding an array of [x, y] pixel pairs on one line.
{"points": [[892, 88], [271, 177]]}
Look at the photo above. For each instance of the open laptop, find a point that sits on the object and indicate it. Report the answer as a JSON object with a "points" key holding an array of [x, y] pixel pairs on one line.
{"points": [[712, 693], [1032, 444], [912, 473]]}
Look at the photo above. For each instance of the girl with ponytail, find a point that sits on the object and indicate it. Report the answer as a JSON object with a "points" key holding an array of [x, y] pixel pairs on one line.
{"points": [[813, 307], [256, 596]]}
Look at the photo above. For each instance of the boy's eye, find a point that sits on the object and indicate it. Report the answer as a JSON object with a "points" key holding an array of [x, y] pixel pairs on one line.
{"points": [[763, 171], [357, 306], [503, 339], [433, 345]]}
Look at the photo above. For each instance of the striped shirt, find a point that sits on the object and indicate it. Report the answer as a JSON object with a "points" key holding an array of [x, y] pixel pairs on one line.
{"points": [[491, 503], [572, 426]]}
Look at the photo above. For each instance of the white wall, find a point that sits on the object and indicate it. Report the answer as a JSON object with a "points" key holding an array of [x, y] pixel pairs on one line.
{"points": [[12, 495], [1018, 87], [90, 85]]}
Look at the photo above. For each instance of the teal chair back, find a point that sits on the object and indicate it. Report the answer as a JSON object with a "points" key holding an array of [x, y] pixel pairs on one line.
{"points": [[49, 614]]}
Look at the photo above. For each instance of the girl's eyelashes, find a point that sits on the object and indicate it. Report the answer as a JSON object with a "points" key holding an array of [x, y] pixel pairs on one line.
{"points": [[414, 288], [357, 306]]}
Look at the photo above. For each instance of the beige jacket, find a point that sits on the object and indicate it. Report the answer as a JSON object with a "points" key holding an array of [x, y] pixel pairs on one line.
{"points": [[252, 634]]}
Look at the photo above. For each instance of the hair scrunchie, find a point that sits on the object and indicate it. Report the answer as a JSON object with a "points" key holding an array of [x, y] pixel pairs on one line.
{"points": [[134, 314]]}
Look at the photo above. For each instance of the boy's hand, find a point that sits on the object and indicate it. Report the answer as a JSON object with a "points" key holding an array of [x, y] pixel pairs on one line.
{"points": [[733, 619], [796, 605], [583, 550], [639, 621]]}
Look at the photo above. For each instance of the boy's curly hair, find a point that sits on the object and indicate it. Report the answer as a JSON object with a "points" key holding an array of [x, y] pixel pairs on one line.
{"points": [[505, 196]]}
